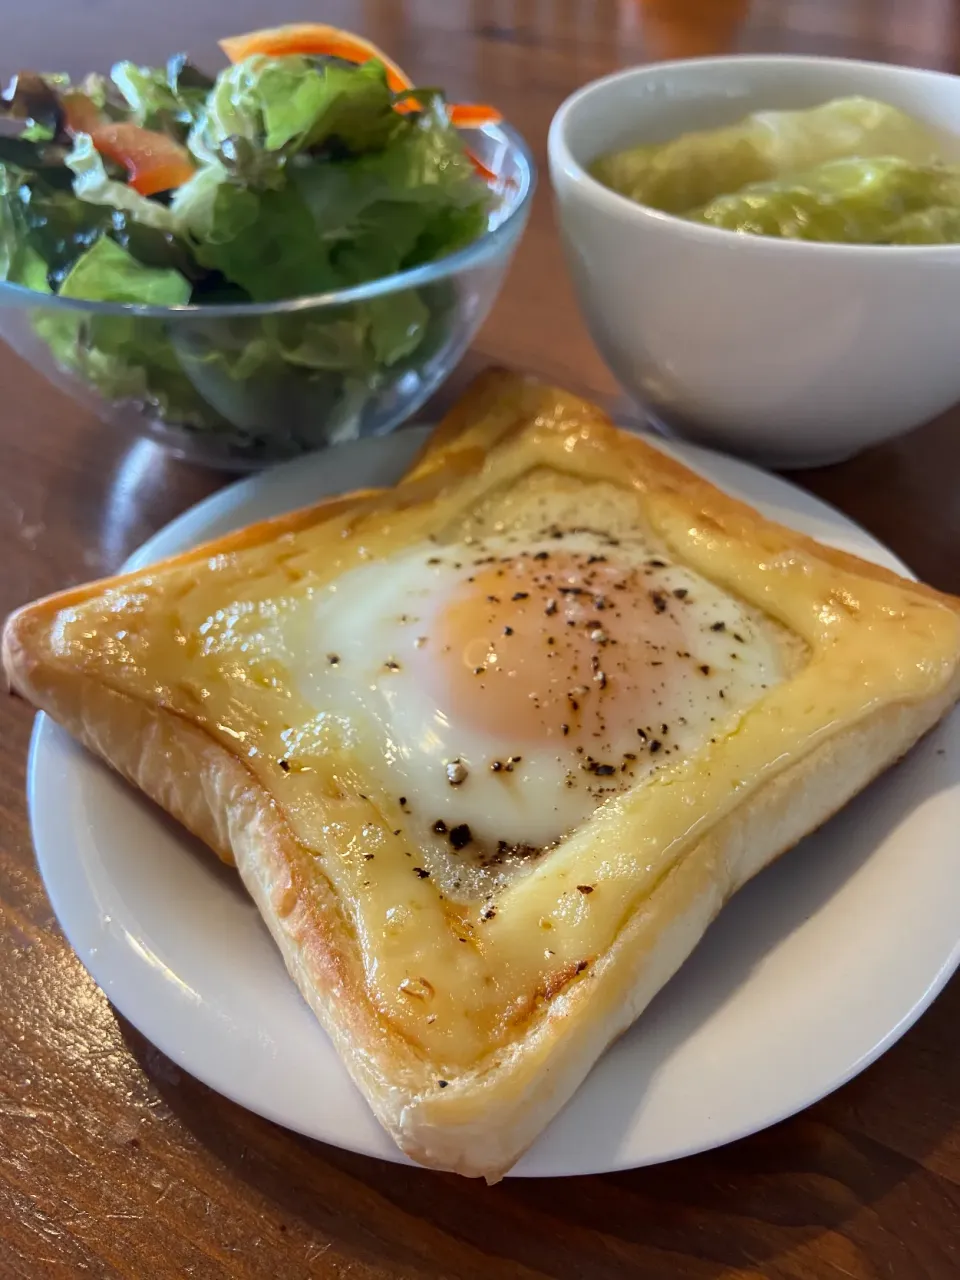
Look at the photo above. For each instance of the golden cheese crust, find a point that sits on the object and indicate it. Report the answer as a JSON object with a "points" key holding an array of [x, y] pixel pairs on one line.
{"points": [[883, 666]]}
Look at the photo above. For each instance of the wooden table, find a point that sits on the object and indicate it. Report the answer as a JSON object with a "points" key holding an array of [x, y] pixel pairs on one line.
{"points": [[113, 1163]]}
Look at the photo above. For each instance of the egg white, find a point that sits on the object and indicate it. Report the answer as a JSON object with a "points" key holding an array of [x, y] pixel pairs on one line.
{"points": [[367, 629]]}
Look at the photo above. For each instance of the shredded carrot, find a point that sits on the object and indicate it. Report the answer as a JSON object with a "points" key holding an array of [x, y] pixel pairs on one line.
{"points": [[486, 174], [466, 115], [313, 38], [316, 38]]}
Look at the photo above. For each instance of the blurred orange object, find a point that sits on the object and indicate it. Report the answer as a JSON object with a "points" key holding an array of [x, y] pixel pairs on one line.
{"points": [[691, 28]]}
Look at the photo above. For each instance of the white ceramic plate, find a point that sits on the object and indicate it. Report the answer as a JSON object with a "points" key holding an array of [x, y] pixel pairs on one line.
{"points": [[814, 969]]}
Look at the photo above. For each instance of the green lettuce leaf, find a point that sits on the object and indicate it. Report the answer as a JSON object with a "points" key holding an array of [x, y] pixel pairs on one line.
{"points": [[340, 223], [107, 273], [31, 272], [192, 206], [53, 223], [10, 231], [265, 242], [881, 201], [263, 111], [161, 98], [60, 228], [145, 91], [938, 224], [695, 168], [93, 184], [127, 357], [123, 357], [232, 110], [37, 157], [349, 107]]}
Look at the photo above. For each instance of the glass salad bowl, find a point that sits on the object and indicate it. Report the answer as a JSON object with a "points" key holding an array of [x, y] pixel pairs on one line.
{"points": [[242, 385]]}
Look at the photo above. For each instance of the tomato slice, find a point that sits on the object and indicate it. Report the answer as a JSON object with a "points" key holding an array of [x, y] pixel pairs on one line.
{"points": [[153, 161], [313, 38], [81, 114]]}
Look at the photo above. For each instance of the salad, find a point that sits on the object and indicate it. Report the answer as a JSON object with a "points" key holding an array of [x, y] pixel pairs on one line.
{"points": [[307, 166], [853, 171]]}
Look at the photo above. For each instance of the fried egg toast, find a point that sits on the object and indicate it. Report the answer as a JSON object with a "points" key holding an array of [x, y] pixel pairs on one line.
{"points": [[491, 748]]}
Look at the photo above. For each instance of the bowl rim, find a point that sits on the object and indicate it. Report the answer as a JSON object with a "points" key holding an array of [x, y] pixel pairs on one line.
{"points": [[471, 255], [626, 210]]}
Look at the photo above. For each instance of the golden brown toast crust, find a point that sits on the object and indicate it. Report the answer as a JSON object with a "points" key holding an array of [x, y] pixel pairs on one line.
{"points": [[490, 1114]]}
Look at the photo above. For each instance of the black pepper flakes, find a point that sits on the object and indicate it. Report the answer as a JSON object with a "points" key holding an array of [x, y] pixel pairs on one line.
{"points": [[659, 601], [461, 836], [333, 659], [443, 1083], [422, 873], [584, 888], [284, 765], [440, 827], [581, 965], [599, 770], [705, 669], [520, 595], [680, 593], [718, 626], [655, 745], [489, 913]]}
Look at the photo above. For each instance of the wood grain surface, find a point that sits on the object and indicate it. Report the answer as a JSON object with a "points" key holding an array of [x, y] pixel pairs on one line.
{"points": [[113, 1163]]}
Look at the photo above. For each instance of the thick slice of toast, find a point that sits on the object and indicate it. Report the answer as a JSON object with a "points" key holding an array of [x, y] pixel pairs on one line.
{"points": [[470, 995]]}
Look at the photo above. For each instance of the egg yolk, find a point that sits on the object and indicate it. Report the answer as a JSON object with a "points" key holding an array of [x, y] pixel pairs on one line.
{"points": [[556, 645]]}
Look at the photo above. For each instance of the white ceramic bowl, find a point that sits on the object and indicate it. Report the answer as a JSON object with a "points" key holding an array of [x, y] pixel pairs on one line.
{"points": [[791, 353]]}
